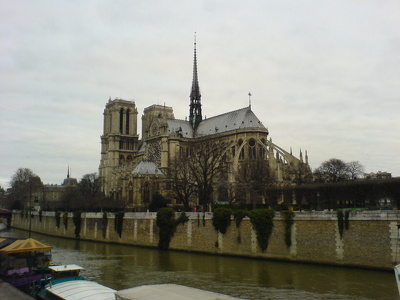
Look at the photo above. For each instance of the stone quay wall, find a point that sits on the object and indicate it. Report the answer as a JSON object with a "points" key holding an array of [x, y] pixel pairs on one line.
{"points": [[371, 241]]}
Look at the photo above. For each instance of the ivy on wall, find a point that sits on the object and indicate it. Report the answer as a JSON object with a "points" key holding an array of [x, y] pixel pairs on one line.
{"points": [[167, 224], [65, 220], [119, 220], [104, 224], [346, 219], [343, 221], [238, 216], [58, 219], [262, 223], [340, 221], [287, 216], [77, 222], [221, 219]]}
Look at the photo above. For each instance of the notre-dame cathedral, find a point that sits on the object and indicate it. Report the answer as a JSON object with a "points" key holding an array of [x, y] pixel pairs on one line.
{"points": [[132, 170]]}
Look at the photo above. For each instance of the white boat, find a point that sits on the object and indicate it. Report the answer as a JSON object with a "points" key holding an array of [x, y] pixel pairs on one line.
{"points": [[66, 283], [80, 289], [168, 292], [397, 274]]}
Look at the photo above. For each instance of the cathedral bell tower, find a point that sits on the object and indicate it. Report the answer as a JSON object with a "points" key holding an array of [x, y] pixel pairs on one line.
{"points": [[119, 142], [195, 116]]}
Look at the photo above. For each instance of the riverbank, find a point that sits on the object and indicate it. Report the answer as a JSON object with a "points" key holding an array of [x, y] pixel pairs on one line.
{"points": [[371, 239]]}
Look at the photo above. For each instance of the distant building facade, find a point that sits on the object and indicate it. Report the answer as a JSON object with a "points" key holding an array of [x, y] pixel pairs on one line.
{"points": [[131, 169], [378, 175], [52, 193]]}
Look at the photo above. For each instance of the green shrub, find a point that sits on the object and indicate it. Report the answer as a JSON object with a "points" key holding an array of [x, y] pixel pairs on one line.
{"points": [[65, 220], [238, 216], [119, 220], [167, 224], [77, 222], [221, 219], [157, 202], [58, 219], [262, 223], [104, 224], [346, 219], [340, 222], [287, 217]]}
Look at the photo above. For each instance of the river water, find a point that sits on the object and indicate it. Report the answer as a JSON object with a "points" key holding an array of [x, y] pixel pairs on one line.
{"points": [[121, 267]]}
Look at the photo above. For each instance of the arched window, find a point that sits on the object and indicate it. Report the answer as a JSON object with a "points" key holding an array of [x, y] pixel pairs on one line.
{"points": [[262, 152], [130, 188], [252, 149], [241, 154], [121, 120], [146, 192], [127, 121]]}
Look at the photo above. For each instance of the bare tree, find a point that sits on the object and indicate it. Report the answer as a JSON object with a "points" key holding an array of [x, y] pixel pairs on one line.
{"points": [[207, 162], [26, 187], [332, 170], [182, 180], [355, 169], [254, 176], [90, 192]]}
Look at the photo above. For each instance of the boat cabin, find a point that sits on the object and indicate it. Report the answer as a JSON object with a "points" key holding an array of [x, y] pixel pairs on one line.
{"points": [[65, 273], [22, 261]]}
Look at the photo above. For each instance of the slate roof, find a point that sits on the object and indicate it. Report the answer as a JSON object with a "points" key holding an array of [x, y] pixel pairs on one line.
{"points": [[238, 119], [147, 167], [180, 127]]}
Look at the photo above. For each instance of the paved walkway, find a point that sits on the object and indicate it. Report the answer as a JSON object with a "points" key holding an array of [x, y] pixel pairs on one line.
{"points": [[8, 292]]}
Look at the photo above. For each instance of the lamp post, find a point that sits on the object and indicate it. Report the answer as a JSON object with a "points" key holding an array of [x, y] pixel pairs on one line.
{"points": [[318, 207], [30, 207]]}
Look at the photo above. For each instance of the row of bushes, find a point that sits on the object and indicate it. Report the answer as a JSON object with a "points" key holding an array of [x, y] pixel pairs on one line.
{"points": [[261, 219]]}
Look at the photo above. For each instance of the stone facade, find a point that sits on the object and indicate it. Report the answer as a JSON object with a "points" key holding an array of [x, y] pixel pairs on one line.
{"points": [[372, 239], [164, 138]]}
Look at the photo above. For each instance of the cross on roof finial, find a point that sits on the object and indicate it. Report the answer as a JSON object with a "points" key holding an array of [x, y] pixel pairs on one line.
{"points": [[249, 100]]}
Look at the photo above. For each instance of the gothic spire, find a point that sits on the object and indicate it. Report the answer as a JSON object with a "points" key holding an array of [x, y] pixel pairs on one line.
{"points": [[195, 116]]}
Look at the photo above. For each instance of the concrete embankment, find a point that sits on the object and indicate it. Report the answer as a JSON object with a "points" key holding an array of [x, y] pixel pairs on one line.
{"points": [[9, 292], [371, 239]]}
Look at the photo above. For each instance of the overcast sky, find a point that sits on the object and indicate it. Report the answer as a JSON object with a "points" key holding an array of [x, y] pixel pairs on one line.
{"points": [[324, 75]]}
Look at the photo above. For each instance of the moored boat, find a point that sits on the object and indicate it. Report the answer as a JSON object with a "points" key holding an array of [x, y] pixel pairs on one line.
{"points": [[23, 261], [169, 292], [397, 274], [66, 283]]}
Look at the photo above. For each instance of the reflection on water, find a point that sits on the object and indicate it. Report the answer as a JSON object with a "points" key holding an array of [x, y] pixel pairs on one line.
{"points": [[121, 267]]}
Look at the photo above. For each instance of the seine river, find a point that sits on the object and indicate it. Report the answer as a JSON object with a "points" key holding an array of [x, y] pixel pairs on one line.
{"points": [[121, 267]]}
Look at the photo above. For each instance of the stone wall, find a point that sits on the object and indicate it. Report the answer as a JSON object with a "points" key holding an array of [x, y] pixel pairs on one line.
{"points": [[372, 239]]}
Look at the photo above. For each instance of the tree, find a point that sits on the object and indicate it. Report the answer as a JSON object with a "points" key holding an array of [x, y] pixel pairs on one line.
{"points": [[87, 195], [26, 186], [355, 169], [157, 202], [332, 170], [206, 162], [90, 192], [254, 176], [335, 170], [182, 180]]}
